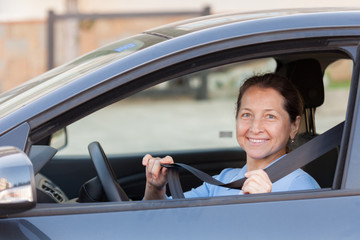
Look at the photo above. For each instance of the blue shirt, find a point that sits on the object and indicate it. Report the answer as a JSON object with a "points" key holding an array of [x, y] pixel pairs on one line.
{"points": [[297, 180]]}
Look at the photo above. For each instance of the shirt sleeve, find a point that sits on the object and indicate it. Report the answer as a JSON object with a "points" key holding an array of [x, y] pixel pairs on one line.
{"points": [[303, 182], [201, 191]]}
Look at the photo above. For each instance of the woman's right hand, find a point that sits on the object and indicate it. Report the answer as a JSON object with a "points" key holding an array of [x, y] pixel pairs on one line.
{"points": [[156, 176]]}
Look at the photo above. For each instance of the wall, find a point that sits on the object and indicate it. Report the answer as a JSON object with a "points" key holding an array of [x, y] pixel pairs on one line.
{"points": [[22, 52]]}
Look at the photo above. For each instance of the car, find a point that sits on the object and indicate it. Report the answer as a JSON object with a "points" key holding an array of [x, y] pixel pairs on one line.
{"points": [[172, 90]]}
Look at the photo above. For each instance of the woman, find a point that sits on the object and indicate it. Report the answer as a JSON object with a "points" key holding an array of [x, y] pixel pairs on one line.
{"points": [[267, 117]]}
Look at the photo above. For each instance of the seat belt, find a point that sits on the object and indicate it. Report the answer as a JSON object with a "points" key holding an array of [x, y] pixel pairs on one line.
{"points": [[287, 164]]}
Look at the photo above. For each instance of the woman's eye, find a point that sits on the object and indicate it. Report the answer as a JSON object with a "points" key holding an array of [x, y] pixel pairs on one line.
{"points": [[270, 116], [246, 115]]}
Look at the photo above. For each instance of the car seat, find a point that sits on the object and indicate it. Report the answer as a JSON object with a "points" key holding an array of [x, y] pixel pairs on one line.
{"points": [[307, 76]]}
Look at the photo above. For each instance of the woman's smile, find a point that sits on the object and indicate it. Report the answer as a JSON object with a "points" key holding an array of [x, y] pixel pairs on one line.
{"points": [[257, 141]]}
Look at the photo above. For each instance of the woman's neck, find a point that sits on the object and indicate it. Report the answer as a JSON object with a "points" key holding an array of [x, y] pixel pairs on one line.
{"points": [[255, 164]]}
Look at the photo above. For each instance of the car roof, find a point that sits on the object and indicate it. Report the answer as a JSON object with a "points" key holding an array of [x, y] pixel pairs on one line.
{"points": [[33, 97], [211, 21]]}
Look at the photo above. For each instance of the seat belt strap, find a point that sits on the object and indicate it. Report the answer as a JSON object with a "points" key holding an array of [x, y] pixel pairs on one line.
{"points": [[287, 164]]}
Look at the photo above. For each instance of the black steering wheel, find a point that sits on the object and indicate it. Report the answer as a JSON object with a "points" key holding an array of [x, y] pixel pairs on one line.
{"points": [[112, 188]]}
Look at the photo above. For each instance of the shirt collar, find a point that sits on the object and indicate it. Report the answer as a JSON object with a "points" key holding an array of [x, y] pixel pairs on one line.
{"points": [[243, 170]]}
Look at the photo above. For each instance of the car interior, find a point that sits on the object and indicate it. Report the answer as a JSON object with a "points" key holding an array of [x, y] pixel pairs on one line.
{"points": [[70, 177], [307, 75]]}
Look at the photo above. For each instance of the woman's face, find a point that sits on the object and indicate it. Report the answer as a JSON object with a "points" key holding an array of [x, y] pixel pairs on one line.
{"points": [[263, 126]]}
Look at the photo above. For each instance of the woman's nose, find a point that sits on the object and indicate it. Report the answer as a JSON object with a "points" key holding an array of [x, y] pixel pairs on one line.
{"points": [[256, 126]]}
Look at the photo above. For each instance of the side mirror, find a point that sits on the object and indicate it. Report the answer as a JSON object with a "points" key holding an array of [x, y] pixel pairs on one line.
{"points": [[59, 139], [17, 181]]}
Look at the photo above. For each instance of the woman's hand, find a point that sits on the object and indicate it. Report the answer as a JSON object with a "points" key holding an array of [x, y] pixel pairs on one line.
{"points": [[156, 176], [257, 182]]}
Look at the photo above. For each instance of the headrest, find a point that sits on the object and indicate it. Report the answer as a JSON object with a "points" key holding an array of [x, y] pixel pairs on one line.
{"points": [[307, 76]]}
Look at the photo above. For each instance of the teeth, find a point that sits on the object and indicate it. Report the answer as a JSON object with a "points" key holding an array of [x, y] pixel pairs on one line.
{"points": [[256, 140]]}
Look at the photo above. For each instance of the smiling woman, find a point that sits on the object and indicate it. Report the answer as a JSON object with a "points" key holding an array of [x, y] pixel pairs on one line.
{"points": [[268, 114]]}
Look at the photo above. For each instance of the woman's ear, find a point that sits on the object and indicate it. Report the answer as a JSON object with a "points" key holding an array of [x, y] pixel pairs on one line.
{"points": [[295, 127]]}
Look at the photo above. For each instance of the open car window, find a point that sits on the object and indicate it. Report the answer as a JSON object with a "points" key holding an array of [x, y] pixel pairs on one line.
{"points": [[195, 111]]}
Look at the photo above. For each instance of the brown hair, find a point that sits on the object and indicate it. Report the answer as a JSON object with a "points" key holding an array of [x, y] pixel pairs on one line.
{"points": [[293, 100]]}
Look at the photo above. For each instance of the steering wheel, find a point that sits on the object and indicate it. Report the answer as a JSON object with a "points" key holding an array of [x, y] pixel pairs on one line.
{"points": [[112, 188]]}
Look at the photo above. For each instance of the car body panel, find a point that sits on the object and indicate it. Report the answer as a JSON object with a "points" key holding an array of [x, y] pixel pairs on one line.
{"points": [[351, 179], [17, 137], [295, 219]]}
